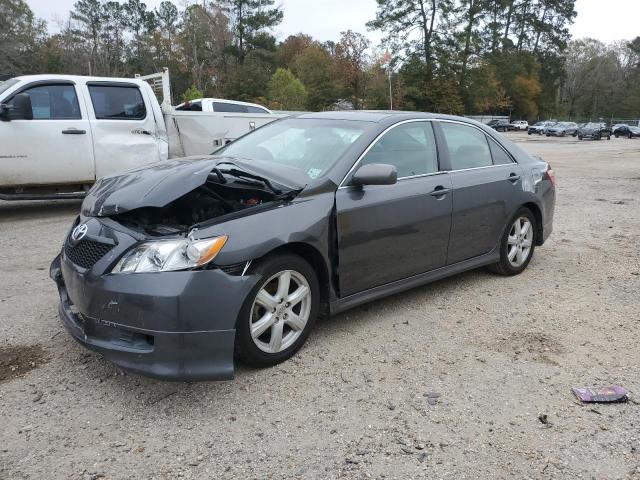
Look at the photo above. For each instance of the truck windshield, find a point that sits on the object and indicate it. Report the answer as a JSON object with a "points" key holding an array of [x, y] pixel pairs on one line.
{"points": [[4, 86], [311, 145]]}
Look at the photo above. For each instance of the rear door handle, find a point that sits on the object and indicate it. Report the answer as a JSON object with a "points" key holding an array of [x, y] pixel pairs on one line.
{"points": [[513, 178], [73, 131], [440, 191]]}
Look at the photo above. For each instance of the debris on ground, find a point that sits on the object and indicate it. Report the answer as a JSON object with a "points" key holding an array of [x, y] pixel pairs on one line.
{"points": [[609, 394]]}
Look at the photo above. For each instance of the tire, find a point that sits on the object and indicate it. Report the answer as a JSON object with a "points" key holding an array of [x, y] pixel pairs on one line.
{"points": [[529, 132], [579, 137], [509, 267], [617, 136], [255, 352], [630, 136], [608, 137]]}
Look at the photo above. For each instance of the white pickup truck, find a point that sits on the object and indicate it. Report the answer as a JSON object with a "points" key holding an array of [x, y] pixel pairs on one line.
{"points": [[59, 133]]}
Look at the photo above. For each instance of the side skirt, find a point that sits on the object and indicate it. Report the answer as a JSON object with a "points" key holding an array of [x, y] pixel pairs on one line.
{"points": [[381, 291]]}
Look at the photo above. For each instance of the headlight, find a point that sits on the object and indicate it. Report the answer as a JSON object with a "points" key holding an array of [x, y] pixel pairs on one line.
{"points": [[169, 255]]}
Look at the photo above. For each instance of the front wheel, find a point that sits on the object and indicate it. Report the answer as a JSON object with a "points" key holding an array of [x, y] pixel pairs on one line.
{"points": [[517, 244], [278, 314]]}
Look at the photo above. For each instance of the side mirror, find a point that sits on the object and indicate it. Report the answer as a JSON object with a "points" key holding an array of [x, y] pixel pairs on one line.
{"points": [[20, 110], [375, 174]]}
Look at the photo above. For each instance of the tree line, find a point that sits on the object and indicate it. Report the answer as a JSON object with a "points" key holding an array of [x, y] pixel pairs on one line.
{"points": [[511, 57]]}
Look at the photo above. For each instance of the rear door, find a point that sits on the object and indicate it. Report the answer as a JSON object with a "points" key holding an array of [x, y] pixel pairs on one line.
{"points": [[390, 232], [54, 147], [485, 182], [124, 126]]}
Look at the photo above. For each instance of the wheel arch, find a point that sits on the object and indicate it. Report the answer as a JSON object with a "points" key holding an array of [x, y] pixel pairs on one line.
{"points": [[537, 214], [312, 255]]}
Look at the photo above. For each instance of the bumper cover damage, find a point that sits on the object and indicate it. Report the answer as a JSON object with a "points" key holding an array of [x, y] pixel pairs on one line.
{"points": [[176, 326]]}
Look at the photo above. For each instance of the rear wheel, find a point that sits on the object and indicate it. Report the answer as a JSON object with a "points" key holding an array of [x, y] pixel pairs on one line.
{"points": [[517, 244], [278, 314]]}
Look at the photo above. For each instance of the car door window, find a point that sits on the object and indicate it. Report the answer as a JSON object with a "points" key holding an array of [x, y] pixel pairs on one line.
{"points": [[115, 102], [229, 107], [410, 147], [500, 157], [468, 147], [53, 102], [251, 109]]}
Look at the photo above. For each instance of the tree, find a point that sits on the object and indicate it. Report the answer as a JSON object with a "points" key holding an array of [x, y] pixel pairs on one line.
{"points": [[285, 91], [88, 16], [351, 59], [314, 67], [21, 34], [191, 93], [249, 20]]}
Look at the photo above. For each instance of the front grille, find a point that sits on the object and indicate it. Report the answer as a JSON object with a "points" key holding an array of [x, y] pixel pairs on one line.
{"points": [[86, 253]]}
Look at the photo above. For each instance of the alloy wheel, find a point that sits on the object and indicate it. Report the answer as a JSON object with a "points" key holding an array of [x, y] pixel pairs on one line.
{"points": [[280, 311], [520, 241]]}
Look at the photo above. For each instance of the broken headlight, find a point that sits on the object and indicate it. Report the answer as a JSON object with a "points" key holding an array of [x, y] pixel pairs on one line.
{"points": [[169, 255]]}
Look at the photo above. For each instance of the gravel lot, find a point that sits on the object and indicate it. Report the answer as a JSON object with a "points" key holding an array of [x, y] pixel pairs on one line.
{"points": [[450, 380]]}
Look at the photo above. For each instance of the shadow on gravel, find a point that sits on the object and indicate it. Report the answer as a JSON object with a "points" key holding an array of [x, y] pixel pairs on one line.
{"points": [[13, 211], [15, 361]]}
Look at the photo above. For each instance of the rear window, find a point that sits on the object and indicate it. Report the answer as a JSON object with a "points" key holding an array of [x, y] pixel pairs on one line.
{"points": [[115, 102]]}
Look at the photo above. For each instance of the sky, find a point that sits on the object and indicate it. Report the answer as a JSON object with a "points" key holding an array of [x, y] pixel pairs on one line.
{"points": [[324, 19]]}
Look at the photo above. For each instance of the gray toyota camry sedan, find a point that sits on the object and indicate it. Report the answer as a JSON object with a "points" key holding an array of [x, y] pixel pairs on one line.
{"points": [[177, 269]]}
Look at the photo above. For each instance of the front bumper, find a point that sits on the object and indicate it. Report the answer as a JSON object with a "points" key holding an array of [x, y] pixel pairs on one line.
{"points": [[171, 325]]}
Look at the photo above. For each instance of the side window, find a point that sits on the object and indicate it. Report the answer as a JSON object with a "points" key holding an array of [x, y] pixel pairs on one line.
{"points": [[115, 102], [251, 109], [411, 147], [500, 157], [229, 107], [468, 147], [53, 102]]}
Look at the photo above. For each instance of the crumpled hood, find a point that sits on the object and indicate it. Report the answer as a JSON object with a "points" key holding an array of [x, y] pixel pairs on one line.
{"points": [[155, 185]]}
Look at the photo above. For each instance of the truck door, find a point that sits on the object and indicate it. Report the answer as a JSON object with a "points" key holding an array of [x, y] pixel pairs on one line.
{"points": [[123, 125], [55, 147]]}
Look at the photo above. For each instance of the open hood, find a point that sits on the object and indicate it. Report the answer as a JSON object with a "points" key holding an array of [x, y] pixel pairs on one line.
{"points": [[161, 183]]}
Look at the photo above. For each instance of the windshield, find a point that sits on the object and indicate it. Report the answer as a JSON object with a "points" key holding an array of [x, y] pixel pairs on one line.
{"points": [[310, 145], [4, 86], [592, 125]]}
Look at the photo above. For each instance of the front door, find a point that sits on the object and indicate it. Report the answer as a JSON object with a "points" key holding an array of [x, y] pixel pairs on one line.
{"points": [[390, 232], [55, 147]]}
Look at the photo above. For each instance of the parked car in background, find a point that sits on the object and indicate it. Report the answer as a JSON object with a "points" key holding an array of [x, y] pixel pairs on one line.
{"points": [[595, 131], [500, 125], [562, 129], [539, 127], [175, 269], [627, 131], [617, 126], [520, 125], [221, 105]]}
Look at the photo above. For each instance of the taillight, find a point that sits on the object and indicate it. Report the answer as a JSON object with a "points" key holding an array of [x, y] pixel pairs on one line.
{"points": [[550, 175]]}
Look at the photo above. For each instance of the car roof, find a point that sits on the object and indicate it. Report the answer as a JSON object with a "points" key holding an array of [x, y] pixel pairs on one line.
{"points": [[381, 116], [78, 78], [225, 100]]}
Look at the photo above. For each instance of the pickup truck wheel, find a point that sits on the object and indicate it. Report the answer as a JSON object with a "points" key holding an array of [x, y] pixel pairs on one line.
{"points": [[616, 135], [608, 137], [579, 137], [629, 135], [278, 314]]}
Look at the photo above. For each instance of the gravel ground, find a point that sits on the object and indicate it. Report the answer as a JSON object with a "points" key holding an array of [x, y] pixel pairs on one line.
{"points": [[466, 378]]}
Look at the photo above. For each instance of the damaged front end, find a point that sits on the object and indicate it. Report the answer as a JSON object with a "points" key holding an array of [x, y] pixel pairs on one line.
{"points": [[178, 325], [173, 198]]}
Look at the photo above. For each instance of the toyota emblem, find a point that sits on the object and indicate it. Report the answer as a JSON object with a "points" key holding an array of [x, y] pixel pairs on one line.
{"points": [[79, 232]]}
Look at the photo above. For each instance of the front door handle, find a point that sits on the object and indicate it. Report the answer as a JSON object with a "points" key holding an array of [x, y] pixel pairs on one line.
{"points": [[73, 131], [513, 178], [440, 191]]}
